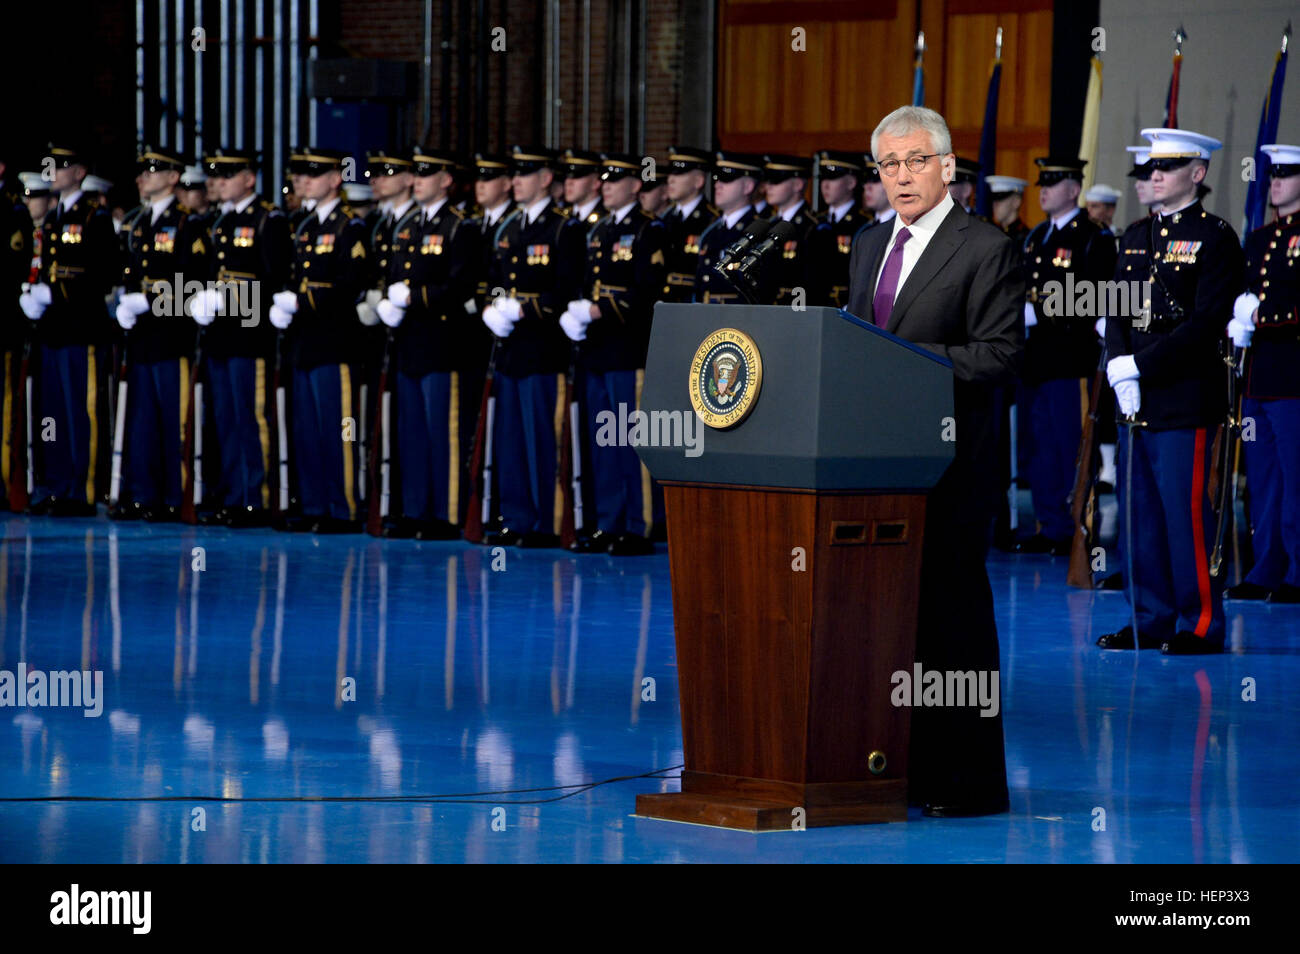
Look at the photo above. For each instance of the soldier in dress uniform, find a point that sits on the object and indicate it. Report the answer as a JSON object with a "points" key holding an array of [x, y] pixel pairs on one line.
{"points": [[582, 186], [787, 267], [1141, 176], [433, 273], [1100, 202], [690, 214], [192, 192], [252, 260], [1168, 374], [538, 260], [962, 187], [80, 264], [331, 269], [297, 205], [1266, 321], [611, 321], [164, 240], [1061, 350], [831, 244], [15, 272], [1006, 195], [875, 201], [735, 177], [654, 193]]}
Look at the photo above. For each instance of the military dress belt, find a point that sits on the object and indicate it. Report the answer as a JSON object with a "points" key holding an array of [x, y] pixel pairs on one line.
{"points": [[681, 279], [228, 275], [65, 271]]}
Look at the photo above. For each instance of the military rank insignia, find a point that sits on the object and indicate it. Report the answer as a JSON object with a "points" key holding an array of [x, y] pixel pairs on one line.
{"points": [[1063, 258], [539, 255], [164, 240], [623, 249], [324, 243], [844, 243], [71, 234], [1182, 252], [431, 245], [726, 374], [243, 237]]}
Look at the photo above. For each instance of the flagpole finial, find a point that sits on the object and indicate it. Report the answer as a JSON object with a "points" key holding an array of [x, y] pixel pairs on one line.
{"points": [[997, 47], [1286, 35], [1179, 36], [920, 41]]}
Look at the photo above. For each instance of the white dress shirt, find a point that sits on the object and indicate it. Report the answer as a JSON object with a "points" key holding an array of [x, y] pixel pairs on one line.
{"points": [[684, 209], [536, 209], [790, 212], [323, 209], [839, 211], [433, 208], [921, 231], [581, 212], [159, 207], [621, 214]]}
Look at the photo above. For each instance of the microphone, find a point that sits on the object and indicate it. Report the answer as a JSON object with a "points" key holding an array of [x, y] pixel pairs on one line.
{"points": [[776, 235], [757, 229]]}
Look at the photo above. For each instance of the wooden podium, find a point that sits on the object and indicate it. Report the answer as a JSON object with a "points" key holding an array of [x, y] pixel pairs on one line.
{"points": [[794, 539]]}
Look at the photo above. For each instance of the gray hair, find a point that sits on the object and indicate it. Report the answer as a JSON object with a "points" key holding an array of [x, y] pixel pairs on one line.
{"points": [[906, 119]]}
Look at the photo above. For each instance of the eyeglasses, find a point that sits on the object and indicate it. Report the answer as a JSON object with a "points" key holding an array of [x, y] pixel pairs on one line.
{"points": [[914, 164]]}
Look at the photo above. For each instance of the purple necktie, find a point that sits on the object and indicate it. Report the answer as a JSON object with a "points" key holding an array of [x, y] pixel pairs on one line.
{"points": [[883, 303]]}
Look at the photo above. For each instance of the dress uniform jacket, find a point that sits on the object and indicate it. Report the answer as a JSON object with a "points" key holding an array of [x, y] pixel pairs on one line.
{"points": [[80, 260], [249, 246], [625, 269], [829, 250], [1273, 275], [331, 269], [1196, 269], [541, 264], [176, 244], [710, 287], [1064, 345], [787, 266], [16, 233], [683, 249]]}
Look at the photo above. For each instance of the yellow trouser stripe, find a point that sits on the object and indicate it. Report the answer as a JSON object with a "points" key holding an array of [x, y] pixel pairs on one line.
{"points": [[453, 450], [263, 429], [92, 398], [561, 408], [345, 388], [647, 499], [185, 410]]}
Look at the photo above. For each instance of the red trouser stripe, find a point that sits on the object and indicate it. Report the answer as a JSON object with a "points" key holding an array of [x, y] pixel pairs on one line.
{"points": [[1198, 532]]}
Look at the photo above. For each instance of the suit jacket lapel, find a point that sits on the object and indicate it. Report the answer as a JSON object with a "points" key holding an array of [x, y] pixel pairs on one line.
{"points": [[947, 239]]}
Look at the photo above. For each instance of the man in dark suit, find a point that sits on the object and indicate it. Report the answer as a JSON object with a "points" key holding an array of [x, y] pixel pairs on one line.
{"points": [[954, 285]]}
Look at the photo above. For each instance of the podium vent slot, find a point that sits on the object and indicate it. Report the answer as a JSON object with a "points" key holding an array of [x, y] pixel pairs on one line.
{"points": [[889, 531], [845, 533]]}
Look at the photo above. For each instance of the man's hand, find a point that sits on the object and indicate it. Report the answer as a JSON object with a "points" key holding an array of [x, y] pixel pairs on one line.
{"points": [[32, 308], [1129, 397], [509, 308], [1242, 326], [574, 322], [204, 305], [366, 313], [136, 302], [400, 295], [125, 316], [390, 313], [1123, 368], [287, 302], [499, 324], [280, 318]]}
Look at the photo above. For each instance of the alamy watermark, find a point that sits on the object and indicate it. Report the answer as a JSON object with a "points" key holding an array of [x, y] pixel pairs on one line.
{"points": [[637, 428], [1088, 299], [35, 689], [947, 689]]}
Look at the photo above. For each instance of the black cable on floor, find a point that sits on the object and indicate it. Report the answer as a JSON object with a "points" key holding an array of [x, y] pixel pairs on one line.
{"points": [[456, 798]]}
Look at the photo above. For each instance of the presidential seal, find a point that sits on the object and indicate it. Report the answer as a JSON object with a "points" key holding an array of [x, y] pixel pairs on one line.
{"points": [[726, 374]]}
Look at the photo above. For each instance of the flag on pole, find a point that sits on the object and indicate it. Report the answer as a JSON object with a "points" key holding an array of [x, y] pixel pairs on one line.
{"points": [[918, 77], [1091, 123], [1171, 97], [989, 134], [1269, 115]]}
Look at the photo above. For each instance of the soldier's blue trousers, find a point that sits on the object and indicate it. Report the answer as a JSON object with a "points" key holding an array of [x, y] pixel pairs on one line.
{"points": [[325, 439], [429, 445], [1056, 409], [1273, 470], [526, 436], [66, 422], [157, 400], [624, 502], [237, 395], [1173, 533]]}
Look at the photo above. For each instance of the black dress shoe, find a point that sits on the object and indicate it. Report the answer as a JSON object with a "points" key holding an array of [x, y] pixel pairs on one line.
{"points": [[1004, 540], [1039, 543], [1124, 640], [399, 529], [629, 544], [162, 514], [1189, 644], [1246, 590], [436, 530], [1113, 582], [535, 540], [505, 537], [243, 517], [967, 808], [40, 508], [597, 542], [126, 511], [215, 518], [335, 525], [1285, 594], [73, 508]]}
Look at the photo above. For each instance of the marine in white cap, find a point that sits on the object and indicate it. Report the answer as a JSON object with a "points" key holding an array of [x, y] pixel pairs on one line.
{"points": [[1007, 194], [1100, 202]]}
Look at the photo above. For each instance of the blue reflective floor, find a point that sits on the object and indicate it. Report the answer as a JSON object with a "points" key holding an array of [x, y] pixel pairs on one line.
{"points": [[234, 681]]}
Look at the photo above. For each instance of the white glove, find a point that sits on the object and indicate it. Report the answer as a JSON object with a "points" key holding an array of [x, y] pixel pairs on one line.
{"points": [[205, 304], [400, 294], [32, 308], [1245, 307], [509, 308], [1123, 368], [41, 292], [1240, 331], [280, 318], [496, 322], [390, 314], [574, 327], [1100, 327], [374, 297], [1129, 396], [126, 317], [136, 302], [1031, 316], [287, 301], [366, 312]]}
